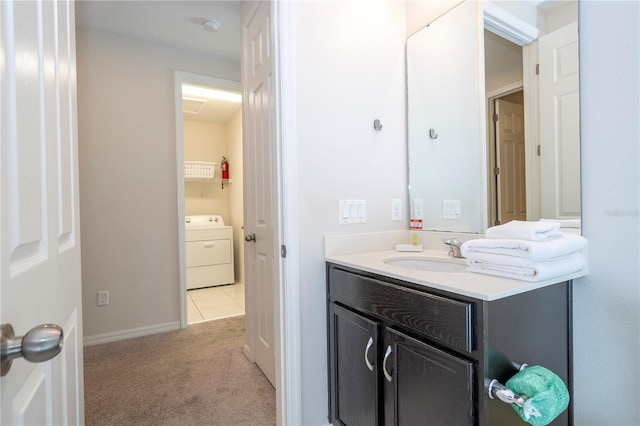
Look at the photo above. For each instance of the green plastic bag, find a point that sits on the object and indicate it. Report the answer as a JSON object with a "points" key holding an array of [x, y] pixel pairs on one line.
{"points": [[545, 393]]}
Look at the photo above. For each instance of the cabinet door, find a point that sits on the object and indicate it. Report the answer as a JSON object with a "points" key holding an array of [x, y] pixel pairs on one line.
{"points": [[353, 373], [424, 385]]}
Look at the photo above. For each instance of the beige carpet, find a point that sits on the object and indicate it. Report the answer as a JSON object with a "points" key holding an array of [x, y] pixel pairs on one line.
{"points": [[196, 376]]}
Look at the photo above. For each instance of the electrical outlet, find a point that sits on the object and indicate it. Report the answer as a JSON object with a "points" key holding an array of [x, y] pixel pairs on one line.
{"points": [[418, 208], [103, 298]]}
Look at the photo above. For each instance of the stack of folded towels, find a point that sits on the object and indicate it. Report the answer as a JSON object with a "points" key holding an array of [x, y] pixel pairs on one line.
{"points": [[529, 251]]}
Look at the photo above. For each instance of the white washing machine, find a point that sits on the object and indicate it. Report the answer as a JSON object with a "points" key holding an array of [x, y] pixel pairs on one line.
{"points": [[209, 251]]}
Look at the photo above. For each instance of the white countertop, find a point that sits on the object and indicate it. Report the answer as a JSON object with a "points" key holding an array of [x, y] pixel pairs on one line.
{"points": [[480, 286]]}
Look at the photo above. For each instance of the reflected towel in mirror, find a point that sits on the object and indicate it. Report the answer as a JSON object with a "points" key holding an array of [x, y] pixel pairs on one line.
{"points": [[522, 230], [565, 223]]}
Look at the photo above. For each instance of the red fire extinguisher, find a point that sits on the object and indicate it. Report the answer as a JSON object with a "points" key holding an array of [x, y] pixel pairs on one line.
{"points": [[225, 168]]}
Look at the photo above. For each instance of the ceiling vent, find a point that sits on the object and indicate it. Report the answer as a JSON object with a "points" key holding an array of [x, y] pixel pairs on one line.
{"points": [[192, 106]]}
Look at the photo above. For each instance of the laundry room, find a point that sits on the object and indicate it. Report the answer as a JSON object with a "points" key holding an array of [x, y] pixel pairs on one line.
{"points": [[213, 207]]}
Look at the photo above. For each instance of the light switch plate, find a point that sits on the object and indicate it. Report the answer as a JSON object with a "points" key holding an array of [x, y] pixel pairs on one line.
{"points": [[451, 209], [352, 211]]}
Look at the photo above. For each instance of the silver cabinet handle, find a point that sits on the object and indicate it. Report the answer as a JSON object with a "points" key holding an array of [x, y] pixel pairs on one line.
{"points": [[384, 364], [366, 354], [249, 238], [40, 344]]}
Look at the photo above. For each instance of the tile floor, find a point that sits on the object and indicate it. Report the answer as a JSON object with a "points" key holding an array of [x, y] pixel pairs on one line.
{"points": [[206, 304]]}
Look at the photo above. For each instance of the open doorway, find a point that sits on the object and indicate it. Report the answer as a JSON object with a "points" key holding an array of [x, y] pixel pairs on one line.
{"points": [[508, 142], [210, 197]]}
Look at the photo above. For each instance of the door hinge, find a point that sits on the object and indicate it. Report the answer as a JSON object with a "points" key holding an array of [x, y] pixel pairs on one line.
{"points": [[495, 118], [538, 150], [496, 171], [537, 69], [283, 251]]}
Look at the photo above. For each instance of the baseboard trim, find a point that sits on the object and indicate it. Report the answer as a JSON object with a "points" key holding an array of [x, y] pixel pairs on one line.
{"points": [[115, 336]]}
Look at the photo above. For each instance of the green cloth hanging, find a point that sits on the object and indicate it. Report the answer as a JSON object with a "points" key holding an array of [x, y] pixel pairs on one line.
{"points": [[545, 393]]}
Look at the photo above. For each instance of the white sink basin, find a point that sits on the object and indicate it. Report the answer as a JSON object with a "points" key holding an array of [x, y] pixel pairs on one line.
{"points": [[426, 264]]}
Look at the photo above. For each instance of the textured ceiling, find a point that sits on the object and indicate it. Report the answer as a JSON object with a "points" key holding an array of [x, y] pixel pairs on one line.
{"points": [[174, 23], [211, 110]]}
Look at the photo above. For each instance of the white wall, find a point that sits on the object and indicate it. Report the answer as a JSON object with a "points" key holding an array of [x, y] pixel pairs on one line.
{"points": [[503, 62], [128, 197], [204, 141], [347, 74], [561, 16], [607, 301], [420, 12]]}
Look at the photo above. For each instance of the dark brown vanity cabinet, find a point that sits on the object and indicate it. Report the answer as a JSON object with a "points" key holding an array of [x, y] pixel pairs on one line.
{"points": [[404, 354], [354, 364], [422, 383], [371, 362]]}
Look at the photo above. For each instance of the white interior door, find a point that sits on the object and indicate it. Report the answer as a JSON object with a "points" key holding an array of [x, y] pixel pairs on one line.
{"points": [[39, 232], [261, 221], [560, 123], [510, 152]]}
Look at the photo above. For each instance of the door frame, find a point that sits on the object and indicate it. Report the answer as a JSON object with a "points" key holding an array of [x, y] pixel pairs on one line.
{"points": [[532, 128], [491, 144], [179, 78], [287, 320]]}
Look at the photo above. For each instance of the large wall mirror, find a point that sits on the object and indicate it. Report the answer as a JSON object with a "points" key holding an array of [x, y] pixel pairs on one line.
{"points": [[493, 117]]}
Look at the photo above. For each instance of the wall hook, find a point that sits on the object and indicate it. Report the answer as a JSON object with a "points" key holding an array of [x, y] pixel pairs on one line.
{"points": [[377, 125], [433, 134]]}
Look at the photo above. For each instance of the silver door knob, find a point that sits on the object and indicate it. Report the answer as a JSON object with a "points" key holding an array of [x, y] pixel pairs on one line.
{"points": [[40, 344], [250, 237]]}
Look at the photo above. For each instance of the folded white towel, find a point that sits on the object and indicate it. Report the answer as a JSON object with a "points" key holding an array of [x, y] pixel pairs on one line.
{"points": [[533, 250], [565, 223], [529, 270], [532, 231], [574, 231]]}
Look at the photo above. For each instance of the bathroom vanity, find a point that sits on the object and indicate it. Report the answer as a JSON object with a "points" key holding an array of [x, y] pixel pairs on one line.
{"points": [[410, 347]]}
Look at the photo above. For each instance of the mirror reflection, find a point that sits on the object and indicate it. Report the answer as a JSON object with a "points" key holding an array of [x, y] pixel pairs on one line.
{"points": [[493, 117]]}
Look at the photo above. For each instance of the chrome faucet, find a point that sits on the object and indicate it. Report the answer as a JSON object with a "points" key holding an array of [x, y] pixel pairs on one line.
{"points": [[454, 247]]}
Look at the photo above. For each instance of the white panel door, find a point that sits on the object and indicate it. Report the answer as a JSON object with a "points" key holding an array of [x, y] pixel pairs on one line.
{"points": [[39, 232], [261, 221], [560, 124], [510, 152]]}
